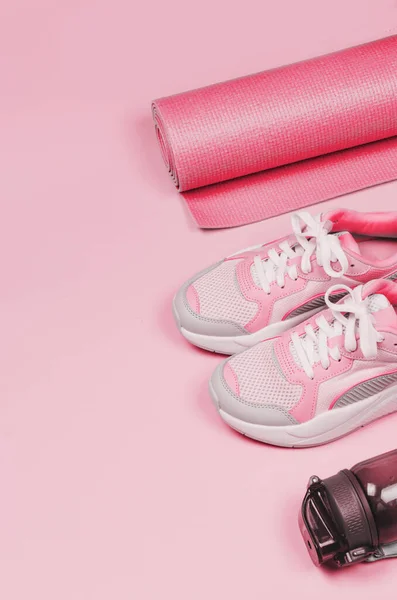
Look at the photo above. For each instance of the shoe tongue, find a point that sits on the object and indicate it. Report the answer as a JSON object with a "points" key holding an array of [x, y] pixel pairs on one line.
{"points": [[348, 242], [377, 302], [384, 313]]}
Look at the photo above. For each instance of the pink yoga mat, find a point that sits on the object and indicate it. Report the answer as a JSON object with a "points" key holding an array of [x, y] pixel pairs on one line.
{"points": [[258, 146]]}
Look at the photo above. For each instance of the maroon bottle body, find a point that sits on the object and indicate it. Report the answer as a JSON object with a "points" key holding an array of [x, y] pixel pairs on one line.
{"points": [[378, 479]]}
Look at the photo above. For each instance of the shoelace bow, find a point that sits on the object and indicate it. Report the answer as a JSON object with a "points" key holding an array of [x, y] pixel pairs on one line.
{"points": [[312, 236], [313, 346]]}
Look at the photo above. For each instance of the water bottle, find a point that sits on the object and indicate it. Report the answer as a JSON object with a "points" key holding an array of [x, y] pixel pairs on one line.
{"points": [[352, 516]]}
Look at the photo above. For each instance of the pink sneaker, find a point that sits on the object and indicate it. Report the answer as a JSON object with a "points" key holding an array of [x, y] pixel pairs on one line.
{"points": [[259, 293], [327, 377]]}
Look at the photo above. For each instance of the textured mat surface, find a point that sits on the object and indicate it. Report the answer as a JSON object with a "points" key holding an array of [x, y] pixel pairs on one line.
{"points": [[258, 146]]}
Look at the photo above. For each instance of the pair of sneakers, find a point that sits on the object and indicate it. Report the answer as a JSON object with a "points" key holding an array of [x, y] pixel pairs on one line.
{"points": [[311, 322]]}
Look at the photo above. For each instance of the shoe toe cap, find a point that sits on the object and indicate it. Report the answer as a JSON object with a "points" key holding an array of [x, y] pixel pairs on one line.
{"points": [[188, 316], [226, 395]]}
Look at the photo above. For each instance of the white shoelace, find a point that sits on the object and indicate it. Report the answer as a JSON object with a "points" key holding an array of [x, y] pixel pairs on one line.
{"points": [[312, 236], [313, 346]]}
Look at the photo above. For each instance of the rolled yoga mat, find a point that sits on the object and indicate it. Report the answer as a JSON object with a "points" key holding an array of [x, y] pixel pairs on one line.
{"points": [[258, 146]]}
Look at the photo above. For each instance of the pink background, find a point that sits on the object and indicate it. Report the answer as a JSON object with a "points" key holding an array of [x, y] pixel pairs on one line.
{"points": [[118, 480]]}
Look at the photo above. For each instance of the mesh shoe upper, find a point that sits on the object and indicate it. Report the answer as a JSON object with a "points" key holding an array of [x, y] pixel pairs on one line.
{"points": [[271, 374], [269, 284], [220, 296], [261, 380]]}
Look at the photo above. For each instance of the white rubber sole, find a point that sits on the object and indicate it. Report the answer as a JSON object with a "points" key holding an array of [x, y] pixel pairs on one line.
{"points": [[322, 429], [238, 343]]}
